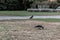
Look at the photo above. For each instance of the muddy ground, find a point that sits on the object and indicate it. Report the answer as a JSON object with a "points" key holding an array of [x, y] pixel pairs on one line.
{"points": [[25, 30]]}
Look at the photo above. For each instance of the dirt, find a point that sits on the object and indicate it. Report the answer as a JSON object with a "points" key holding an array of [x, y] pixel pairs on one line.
{"points": [[25, 30]]}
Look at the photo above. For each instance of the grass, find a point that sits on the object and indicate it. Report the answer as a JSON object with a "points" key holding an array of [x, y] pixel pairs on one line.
{"points": [[25, 30], [41, 19], [25, 13], [48, 20]]}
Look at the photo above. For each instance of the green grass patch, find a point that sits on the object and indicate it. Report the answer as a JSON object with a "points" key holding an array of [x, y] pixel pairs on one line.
{"points": [[26, 13], [41, 19], [48, 20]]}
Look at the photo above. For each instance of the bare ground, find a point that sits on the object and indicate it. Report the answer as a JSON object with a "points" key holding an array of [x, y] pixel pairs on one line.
{"points": [[25, 30]]}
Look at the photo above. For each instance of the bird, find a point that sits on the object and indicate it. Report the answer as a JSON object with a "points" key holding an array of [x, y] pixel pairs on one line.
{"points": [[39, 27], [31, 17]]}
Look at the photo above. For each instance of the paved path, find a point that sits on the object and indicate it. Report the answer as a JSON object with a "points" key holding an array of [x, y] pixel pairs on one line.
{"points": [[26, 17], [57, 17], [13, 17]]}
